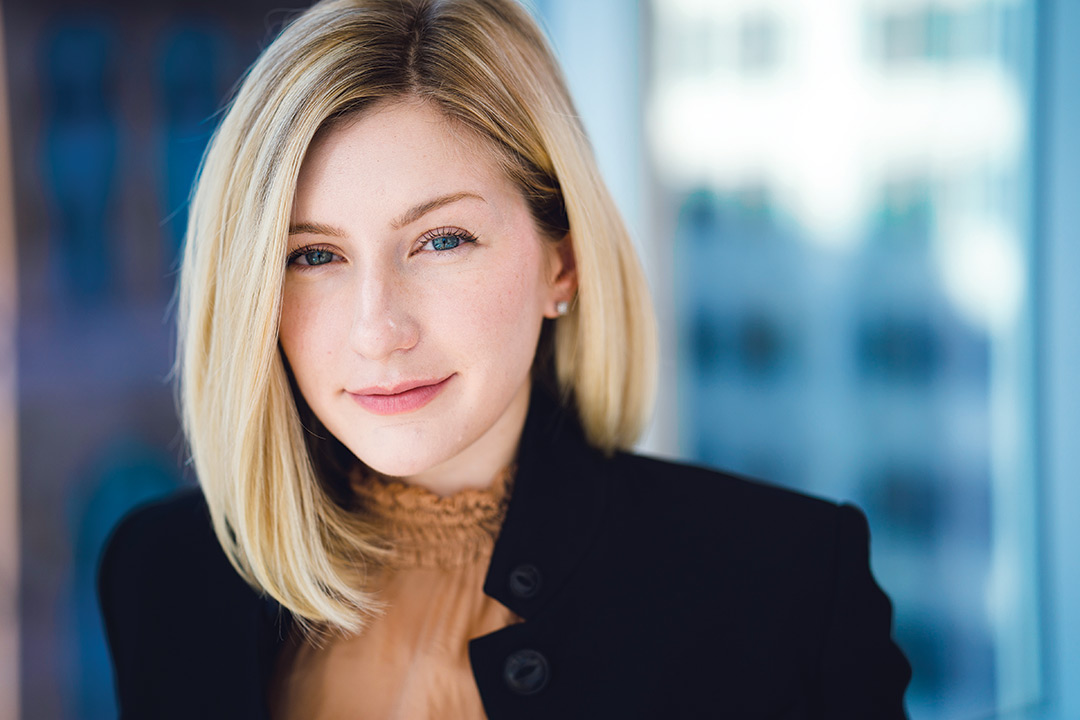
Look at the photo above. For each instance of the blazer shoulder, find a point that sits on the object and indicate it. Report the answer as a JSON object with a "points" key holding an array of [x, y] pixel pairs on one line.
{"points": [[724, 497], [163, 553], [159, 531], [160, 518], [705, 516], [793, 568]]}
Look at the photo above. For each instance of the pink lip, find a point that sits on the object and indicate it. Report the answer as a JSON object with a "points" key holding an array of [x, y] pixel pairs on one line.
{"points": [[402, 398]]}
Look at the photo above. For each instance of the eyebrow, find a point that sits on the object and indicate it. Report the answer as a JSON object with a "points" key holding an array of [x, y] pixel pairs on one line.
{"points": [[409, 216], [417, 212], [307, 228]]}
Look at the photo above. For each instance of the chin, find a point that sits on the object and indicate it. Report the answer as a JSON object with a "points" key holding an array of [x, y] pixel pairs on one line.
{"points": [[399, 465]]}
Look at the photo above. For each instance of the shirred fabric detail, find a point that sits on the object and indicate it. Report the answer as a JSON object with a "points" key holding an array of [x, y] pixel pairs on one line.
{"points": [[412, 660]]}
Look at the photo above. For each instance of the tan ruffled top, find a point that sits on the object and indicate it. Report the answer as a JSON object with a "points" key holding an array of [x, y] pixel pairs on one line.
{"points": [[412, 661]]}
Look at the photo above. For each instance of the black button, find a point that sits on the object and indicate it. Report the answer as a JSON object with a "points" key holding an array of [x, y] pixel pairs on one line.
{"points": [[525, 581], [526, 672]]}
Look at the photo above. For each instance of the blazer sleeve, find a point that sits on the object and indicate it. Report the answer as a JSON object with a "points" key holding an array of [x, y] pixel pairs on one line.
{"points": [[863, 672]]}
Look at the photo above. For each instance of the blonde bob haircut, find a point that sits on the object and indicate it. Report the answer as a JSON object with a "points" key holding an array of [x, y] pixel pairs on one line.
{"points": [[287, 527]]}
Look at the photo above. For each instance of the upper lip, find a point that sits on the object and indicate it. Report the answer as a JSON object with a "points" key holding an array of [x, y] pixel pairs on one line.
{"points": [[398, 388]]}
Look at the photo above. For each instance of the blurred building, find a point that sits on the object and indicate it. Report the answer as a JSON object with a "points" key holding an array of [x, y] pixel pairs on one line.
{"points": [[111, 105], [851, 269]]}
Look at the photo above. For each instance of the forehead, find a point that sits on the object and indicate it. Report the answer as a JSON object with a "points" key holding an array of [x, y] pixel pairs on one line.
{"points": [[397, 136], [368, 172]]}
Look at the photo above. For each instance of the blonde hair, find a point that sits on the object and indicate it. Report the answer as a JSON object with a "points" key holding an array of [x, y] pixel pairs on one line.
{"points": [[485, 65]]}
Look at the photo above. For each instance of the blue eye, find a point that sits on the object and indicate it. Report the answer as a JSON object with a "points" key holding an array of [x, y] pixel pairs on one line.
{"points": [[310, 257], [445, 242], [317, 257]]}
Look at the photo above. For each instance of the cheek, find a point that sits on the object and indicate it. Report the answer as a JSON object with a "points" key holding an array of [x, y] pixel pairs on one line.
{"points": [[304, 330], [501, 310]]}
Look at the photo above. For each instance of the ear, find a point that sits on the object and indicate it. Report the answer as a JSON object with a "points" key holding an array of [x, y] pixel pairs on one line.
{"points": [[562, 275]]}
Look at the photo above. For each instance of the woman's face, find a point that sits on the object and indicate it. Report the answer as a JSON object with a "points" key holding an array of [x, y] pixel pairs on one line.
{"points": [[414, 295]]}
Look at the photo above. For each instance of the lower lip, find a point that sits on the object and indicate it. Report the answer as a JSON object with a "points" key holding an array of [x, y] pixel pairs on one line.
{"points": [[403, 402]]}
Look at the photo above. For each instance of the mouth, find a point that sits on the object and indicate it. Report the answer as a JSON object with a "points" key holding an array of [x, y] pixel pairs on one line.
{"points": [[401, 398]]}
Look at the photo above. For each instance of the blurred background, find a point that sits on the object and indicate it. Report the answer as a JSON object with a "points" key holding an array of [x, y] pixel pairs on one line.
{"points": [[860, 220]]}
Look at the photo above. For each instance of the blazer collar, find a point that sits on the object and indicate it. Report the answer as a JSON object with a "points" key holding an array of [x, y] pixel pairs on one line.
{"points": [[555, 508]]}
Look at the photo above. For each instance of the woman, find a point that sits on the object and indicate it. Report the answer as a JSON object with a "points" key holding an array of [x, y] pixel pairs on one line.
{"points": [[414, 342]]}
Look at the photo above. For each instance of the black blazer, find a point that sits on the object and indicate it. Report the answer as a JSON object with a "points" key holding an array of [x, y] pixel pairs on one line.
{"points": [[648, 590]]}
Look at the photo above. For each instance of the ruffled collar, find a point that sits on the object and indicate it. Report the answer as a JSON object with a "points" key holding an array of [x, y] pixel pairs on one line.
{"points": [[427, 530]]}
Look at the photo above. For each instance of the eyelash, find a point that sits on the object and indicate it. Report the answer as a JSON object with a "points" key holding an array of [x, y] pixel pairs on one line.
{"points": [[463, 236]]}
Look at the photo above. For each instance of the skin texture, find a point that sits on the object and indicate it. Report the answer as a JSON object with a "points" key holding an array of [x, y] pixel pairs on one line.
{"points": [[381, 305]]}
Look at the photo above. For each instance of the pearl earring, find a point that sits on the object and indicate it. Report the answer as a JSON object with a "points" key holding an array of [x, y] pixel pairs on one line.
{"points": [[562, 307]]}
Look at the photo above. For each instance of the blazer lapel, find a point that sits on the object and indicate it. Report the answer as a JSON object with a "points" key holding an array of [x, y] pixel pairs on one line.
{"points": [[555, 506]]}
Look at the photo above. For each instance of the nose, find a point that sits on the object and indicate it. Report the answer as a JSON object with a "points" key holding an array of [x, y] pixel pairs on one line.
{"points": [[382, 321]]}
